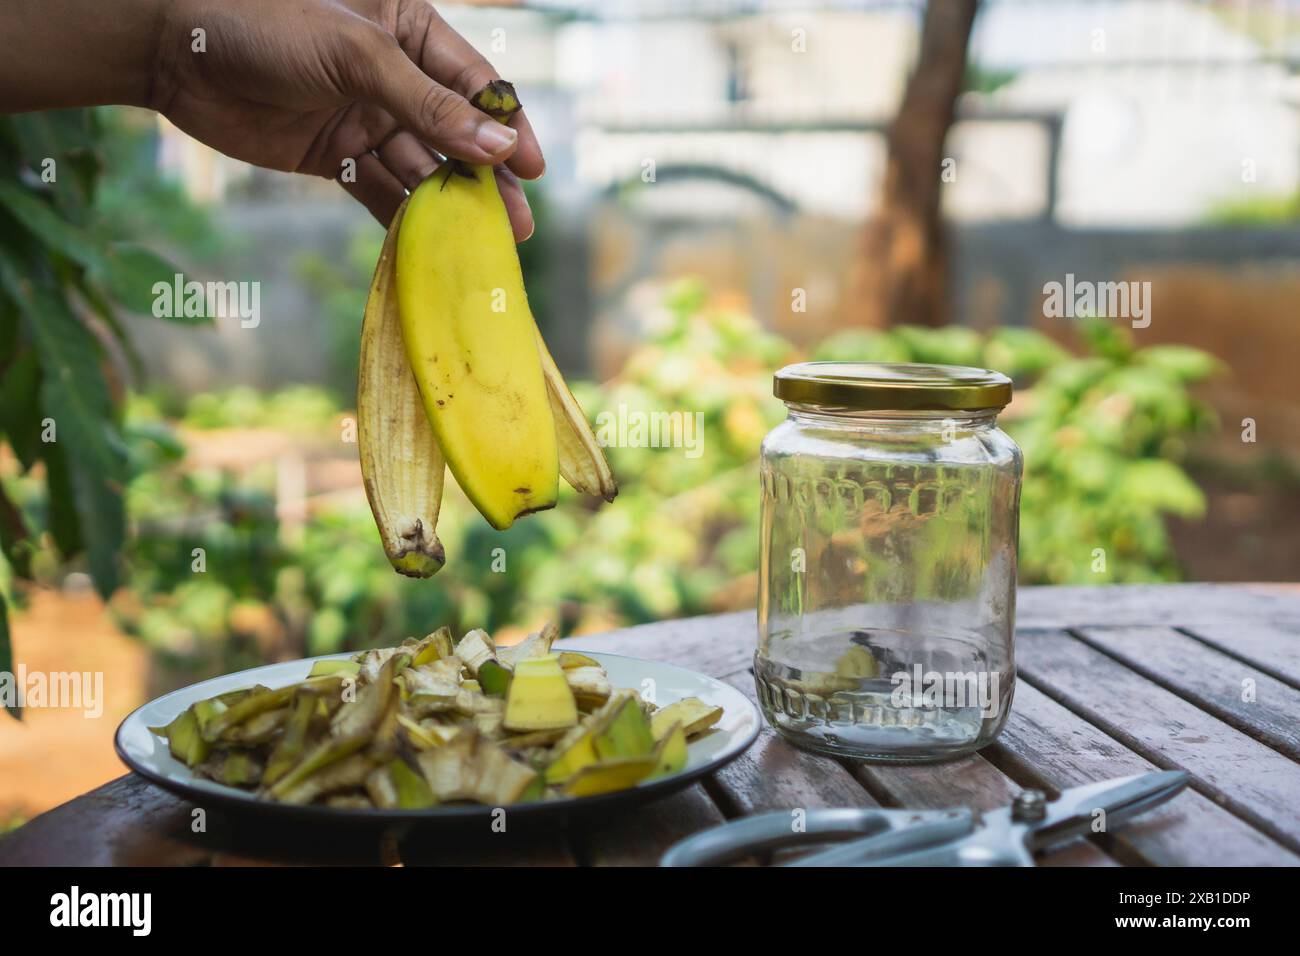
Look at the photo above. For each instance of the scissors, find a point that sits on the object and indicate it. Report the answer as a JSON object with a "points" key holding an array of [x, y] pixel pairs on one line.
{"points": [[872, 837]]}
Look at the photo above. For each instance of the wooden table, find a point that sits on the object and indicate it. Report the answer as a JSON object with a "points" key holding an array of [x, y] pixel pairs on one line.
{"points": [[1113, 681]]}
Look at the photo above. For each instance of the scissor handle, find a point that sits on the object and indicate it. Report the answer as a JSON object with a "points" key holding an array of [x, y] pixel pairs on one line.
{"points": [[773, 831], [884, 849]]}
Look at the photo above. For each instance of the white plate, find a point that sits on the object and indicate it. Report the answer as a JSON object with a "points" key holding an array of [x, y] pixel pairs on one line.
{"points": [[147, 754]]}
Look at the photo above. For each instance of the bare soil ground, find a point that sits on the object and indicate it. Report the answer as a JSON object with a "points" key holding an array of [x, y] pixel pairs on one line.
{"points": [[53, 755]]}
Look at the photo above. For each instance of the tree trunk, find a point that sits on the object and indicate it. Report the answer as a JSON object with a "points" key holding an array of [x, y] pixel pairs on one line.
{"points": [[904, 272]]}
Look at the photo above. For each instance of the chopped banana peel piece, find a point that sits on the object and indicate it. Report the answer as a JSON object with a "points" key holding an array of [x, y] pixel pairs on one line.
{"points": [[363, 715], [330, 668], [342, 774], [381, 788], [540, 698], [857, 661], [493, 678], [206, 711], [534, 645], [260, 729], [329, 751], [471, 703], [610, 775], [534, 738], [476, 649], [693, 714], [413, 792], [490, 725], [590, 686], [234, 768], [373, 661], [671, 752], [348, 801], [434, 647], [289, 749], [579, 754], [473, 768], [184, 740], [421, 736], [396, 786], [247, 707], [571, 660], [430, 689], [626, 734], [577, 749], [416, 725]]}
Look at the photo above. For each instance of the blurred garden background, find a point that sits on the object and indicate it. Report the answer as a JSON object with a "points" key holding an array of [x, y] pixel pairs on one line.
{"points": [[731, 186]]}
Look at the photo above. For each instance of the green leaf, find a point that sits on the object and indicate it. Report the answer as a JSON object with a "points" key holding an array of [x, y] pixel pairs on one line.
{"points": [[130, 274], [951, 345], [99, 304], [61, 519], [1107, 338], [74, 394], [103, 526], [40, 219], [861, 345], [7, 654], [1158, 484], [15, 539], [20, 419], [1184, 362], [1017, 352], [68, 137]]}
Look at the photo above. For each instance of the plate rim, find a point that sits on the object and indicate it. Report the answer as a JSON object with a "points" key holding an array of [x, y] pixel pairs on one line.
{"points": [[245, 801]]}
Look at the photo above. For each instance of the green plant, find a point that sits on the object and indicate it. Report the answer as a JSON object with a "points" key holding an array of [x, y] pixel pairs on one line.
{"points": [[66, 271], [1103, 436], [1269, 210]]}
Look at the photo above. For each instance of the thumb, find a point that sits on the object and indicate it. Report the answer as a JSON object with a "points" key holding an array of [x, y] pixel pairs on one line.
{"points": [[440, 117]]}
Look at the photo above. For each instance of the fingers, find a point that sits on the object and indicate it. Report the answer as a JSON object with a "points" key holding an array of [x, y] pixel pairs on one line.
{"points": [[376, 188], [450, 59], [512, 194], [440, 117], [409, 160]]}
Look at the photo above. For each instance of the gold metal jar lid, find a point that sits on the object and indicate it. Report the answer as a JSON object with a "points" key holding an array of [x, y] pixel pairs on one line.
{"points": [[883, 386]]}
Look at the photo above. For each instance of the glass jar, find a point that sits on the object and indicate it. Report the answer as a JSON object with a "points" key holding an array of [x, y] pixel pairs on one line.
{"points": [[887, 576]]}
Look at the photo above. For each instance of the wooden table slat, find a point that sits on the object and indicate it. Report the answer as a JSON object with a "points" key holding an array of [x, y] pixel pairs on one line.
{"points": [[1270, 646], [1256, 782], [1048, 746], [1208, 678]]}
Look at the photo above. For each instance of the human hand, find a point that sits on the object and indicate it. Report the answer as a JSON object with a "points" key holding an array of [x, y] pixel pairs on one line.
{"points": [[303, 85]]}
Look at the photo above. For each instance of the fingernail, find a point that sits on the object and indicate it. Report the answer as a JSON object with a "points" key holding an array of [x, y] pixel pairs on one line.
{"points": [[492, 137]]}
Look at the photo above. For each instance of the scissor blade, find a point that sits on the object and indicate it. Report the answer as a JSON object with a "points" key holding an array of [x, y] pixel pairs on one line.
{"points": [[884, 847], [1076, 810]]}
